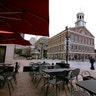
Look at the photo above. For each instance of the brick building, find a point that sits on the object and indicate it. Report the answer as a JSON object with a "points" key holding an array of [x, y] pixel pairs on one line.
{"points": [[80, 43]]}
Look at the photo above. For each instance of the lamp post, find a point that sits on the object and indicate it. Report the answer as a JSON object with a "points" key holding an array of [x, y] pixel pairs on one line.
{"points": [[67, 44], [41, 50]]}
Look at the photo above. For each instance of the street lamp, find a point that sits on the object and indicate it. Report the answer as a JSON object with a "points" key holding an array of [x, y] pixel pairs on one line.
{"points": [[42, 50], [67, 44]]}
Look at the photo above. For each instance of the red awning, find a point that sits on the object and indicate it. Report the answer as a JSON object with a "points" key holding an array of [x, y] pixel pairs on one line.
{"points": [[12, 38], [25, 16], [17, 42]]}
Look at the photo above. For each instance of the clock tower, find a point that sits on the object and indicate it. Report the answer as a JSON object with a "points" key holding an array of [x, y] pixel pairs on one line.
{"points": [[80, 20]]}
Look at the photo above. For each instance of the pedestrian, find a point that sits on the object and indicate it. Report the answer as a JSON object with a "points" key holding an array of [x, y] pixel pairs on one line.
{"points": [[92, 60]]}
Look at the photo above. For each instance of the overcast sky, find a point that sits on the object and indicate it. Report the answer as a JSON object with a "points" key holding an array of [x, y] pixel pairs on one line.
{"points": [[62, 13]]}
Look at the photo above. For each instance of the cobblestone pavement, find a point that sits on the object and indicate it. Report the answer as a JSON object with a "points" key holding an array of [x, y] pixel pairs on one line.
{"points": [[25, 86], [85, 65], [75, 64]]}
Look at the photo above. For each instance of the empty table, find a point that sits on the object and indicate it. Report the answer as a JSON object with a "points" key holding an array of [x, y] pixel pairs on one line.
{"points": [[89, 85]]}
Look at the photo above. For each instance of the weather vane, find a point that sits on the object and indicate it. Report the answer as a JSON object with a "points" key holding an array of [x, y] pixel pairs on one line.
{"points": [[80, 10]]}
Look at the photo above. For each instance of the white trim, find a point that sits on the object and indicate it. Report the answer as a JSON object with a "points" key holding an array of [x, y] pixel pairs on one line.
{"points": [[71, 31], [81, 44]]}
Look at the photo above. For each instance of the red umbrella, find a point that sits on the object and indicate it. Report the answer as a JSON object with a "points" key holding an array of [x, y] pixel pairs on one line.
{"points": [[25, 16], [16, 41], [12, 38]]}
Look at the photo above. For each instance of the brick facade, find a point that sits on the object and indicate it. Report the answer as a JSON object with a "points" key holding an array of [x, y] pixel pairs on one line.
{"points": [[80, 43]]}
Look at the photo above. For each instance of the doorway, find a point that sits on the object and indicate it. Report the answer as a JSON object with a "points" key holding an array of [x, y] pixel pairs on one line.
{"points": [[2, 54]]}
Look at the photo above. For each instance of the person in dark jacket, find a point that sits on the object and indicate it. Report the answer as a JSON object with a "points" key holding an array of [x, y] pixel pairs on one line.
{"points": [[92, 60]]}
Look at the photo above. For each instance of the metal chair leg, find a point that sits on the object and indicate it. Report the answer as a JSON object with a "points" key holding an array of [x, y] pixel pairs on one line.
{"points": [[12, 85], [9, 89], [47, 89]]}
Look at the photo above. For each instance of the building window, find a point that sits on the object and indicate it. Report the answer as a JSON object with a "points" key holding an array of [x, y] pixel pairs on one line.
{"points": [[76, 47], [2, 54], [72, 46], [76, 38], [72, 37], [78, 17], [83, 32], [80, 39]]}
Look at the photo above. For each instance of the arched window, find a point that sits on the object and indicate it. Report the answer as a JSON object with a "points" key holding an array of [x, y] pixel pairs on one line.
{"points": [[80, 16]]}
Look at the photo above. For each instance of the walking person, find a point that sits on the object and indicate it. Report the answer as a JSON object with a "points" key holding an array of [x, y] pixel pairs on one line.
{"points": [[92, 60]]}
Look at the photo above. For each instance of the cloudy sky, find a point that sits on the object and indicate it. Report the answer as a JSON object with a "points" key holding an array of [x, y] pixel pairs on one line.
{"points": [[62, 13]]}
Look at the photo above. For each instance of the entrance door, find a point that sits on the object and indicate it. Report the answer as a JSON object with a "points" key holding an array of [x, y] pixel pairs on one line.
{"points": [[2, 54]]}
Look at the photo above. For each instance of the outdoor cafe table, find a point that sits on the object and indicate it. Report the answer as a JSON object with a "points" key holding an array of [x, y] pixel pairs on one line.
{"points": [[55, 72], [89, 85], [49, 66]]}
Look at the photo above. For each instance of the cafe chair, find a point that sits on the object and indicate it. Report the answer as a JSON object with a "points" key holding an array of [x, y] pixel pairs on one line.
{"points": [[34, 72], [6, 79], [39, 62], [1, 79], [80, 93], [55, 82], [30, 64], [28, 68], [86, 75], [72, 75], [10, 72], [13, 74], [43, 76]]}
